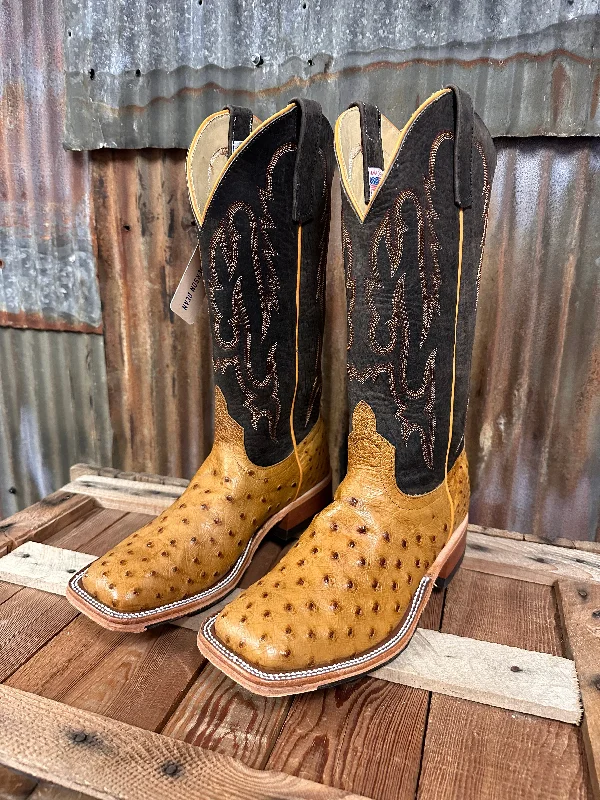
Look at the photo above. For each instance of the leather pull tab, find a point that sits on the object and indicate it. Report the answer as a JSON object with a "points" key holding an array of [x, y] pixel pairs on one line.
{"points": [[240, 127], [372, 149], [463, 147], [308, 172]]}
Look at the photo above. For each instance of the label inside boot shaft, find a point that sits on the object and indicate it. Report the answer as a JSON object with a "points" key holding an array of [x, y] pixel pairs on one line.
{"points": [[374, 177], [188, 295]]}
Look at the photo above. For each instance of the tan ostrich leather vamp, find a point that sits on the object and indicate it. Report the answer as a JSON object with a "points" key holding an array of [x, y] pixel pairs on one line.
{"points": [[195, 542], [349, 580]]}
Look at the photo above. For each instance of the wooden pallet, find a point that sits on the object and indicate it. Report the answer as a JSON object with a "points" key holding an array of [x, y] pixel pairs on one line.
{"points": [[484, 703]]}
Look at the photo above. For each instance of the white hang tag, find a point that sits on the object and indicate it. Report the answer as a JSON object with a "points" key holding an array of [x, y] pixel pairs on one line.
{"points": [[188, 295], [235, 144], [374, 177]]}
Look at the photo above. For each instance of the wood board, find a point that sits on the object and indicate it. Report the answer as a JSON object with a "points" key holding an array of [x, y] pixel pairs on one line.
{"points": [[372, 738], [494, 674]]}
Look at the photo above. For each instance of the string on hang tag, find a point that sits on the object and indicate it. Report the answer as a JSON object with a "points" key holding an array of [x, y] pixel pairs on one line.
{"points": [[188, 295]]}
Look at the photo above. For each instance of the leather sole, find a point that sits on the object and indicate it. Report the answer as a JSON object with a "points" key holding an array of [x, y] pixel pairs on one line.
{"points": [[278, 684], [299, 510]]}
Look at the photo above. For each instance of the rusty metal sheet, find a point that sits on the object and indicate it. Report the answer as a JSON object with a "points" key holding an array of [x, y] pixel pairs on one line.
{"points": [[146, 74], [533, 429], [47, 264], [159, 368], [53, 412], [534, 418]]}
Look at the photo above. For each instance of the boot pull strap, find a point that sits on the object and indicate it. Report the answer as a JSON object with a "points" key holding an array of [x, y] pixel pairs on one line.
{"points": [[240, 126], [372, 149], [308, 172], [463, 147]]}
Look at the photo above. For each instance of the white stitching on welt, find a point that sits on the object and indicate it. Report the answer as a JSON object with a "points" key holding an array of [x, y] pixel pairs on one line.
{"points": [[74, 583], [307, 673]]}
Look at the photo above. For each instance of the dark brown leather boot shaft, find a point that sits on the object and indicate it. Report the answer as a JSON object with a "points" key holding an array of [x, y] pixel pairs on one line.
{"points": [[263, 227], [400, 254]]}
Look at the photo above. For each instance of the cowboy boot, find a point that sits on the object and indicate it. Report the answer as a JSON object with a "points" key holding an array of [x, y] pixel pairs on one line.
{"points": [[260, 195], [348, 596]]}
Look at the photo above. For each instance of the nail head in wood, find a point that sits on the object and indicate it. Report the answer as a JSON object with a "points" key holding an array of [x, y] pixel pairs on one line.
{"points": [[171, 768]]}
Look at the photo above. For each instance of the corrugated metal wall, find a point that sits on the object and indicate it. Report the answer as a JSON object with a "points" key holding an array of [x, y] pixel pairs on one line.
{"points": [[53, 411], [53, 396], [159, 368], [146, 73], [534, 420], [534, 417], [48, 275]]}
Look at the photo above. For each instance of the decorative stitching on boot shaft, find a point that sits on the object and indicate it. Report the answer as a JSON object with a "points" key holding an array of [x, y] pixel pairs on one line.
{"points": [[401, 262]]}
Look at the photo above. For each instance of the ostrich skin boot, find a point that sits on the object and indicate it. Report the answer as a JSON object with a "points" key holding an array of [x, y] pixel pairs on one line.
{"points": [[260, 193], [348, 596]]}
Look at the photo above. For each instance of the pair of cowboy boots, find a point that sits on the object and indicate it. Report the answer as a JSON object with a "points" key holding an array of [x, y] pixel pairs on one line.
{"points": [[348, 595]]}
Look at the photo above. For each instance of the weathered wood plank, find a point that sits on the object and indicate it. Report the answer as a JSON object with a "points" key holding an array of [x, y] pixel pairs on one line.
{"points": [[41, 566], [79, 470], [529, 561], [7, 590], [217, 714], [135, 679], [28, 620], [5, 545], [365, 736], [579, 605], [530, 619], [590, 547], [496, 532], [15, 785], [125, 495], [559, 541], [71, 655], [50, 791], [42, 519], [489, 673], [78, 535], [108, 759], [474, 751]]}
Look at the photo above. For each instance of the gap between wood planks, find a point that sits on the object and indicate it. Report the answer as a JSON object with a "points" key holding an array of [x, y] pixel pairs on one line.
{"points": [[484, 672]]}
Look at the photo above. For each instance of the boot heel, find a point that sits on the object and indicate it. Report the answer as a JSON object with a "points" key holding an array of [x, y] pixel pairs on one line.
{"points": [[452, 564], [295, 520]]}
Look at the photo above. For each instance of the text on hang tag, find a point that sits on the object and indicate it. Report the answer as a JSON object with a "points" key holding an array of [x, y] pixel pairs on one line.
{"points": [[188, 295]]}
